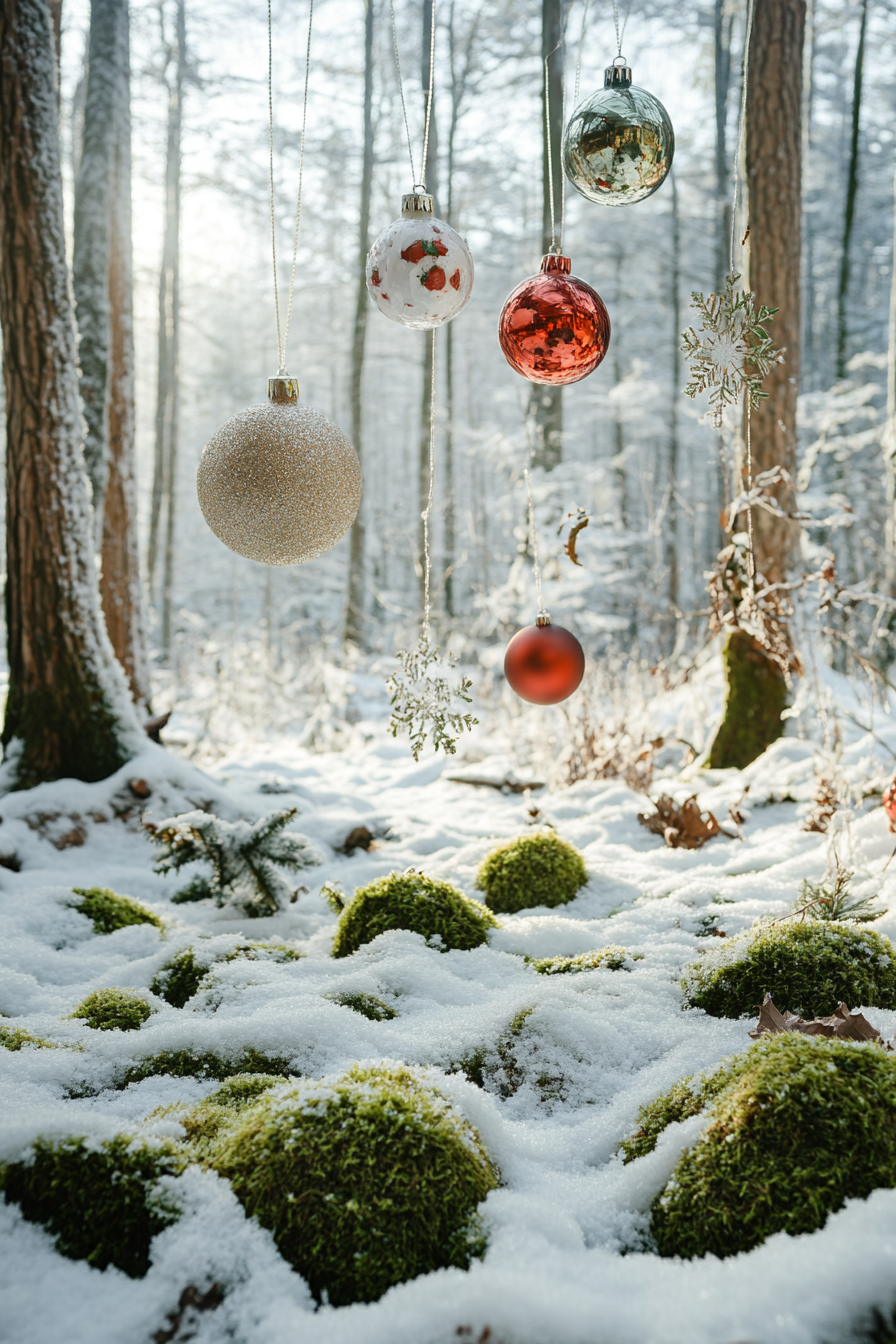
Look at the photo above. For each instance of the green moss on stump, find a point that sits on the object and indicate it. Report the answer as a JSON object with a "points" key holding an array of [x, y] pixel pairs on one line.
{"points": [[613, 958], [102, 1203], [364, 1181], [803, 1125], [756, 697], [368, 1005], [204, 1064], [113, 1010], [437, 910], [109, 911], [807, 968], [181, 977], [539, 869]]}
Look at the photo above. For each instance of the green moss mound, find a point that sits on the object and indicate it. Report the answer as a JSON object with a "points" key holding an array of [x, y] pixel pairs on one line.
{"points": [[204, 1123], [803, 1125], [109, 911], [365, 1181], [14, 1038], [539, 869], [204, 1064], [613, 958], [102, 1203], [368, 1005], [687, 1098], [113, 1010], [807, 968], [182, 976], [437, 910]]}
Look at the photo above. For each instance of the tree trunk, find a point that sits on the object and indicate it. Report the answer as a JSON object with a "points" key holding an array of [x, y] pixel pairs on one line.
{"points": [[723, 20], [546, 403], [889, 441], [755, 685], [120, 583], [164, 492], [852, 187], [429, 340], [68, 712], [354, 611]]}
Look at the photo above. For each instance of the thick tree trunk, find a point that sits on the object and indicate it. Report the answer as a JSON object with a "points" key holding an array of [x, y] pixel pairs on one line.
{"points": [[68, 712], [774, 181], [546, 403], [852, 188], [354, 612]]}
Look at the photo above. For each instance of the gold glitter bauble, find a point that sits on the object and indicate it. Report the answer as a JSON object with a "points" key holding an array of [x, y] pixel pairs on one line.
{"points": [[279, 483]]}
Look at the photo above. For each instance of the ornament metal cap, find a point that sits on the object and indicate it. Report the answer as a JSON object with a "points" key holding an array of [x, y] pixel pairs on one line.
{"points": [[618, 76], [552, 261], [283, 390], [417, 204], [542, 619]]}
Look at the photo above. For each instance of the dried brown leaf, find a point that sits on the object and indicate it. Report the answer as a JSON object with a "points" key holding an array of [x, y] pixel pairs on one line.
{"points": [[572, 538], [842, 1024], [682, 825]]}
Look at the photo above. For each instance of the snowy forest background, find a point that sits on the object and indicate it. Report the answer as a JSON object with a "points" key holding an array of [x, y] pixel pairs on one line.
{"points": [[237, 646]]}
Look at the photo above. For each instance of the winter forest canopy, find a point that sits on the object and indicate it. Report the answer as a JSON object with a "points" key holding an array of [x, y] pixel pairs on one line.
{"points": [[481, 929]]}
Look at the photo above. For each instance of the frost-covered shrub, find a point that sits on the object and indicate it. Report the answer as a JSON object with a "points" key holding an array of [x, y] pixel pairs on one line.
{"points": [[102, 1202], [181, 977], [368, 1005], [113, 1010], [204, 1064], [437, 910], [800, 1125], [613, 958], [807, 968], [246, 858], [109, 911], [538, 869], [364, 1181]]}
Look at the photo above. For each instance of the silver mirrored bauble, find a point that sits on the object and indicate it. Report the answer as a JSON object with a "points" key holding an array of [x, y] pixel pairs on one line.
{"points": [[279, 483], [618, 144]]}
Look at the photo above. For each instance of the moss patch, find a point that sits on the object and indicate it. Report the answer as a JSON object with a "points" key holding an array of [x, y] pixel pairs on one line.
{"points": [[613, 958], [13, 1038], [803, 1124], [102, 1204], [204, 1064], [687, 1098], [182, 976], [368, 1005], [203, 1123], [113, 1010], [756, 697], [807, 968], [437, 910], [539, 869], [364, 1181], [109, 911]]}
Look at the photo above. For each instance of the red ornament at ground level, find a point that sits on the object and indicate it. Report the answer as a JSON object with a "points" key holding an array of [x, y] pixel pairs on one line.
{"points": [[544, 663], [554, 328], [890, 804]]}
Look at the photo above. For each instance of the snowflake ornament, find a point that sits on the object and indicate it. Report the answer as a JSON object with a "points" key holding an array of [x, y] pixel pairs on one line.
{"points": [[422, 699], [732, 352]]}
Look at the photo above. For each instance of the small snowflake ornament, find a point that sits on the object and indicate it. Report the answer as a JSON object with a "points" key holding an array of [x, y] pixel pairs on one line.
{"points": [[422, 698], [732, 352]]}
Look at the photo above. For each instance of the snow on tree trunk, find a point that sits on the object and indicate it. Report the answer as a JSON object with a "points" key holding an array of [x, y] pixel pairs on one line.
{"points": [[68, 712]]}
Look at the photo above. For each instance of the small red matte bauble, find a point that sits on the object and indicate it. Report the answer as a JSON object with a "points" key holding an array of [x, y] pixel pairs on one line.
{"points": [[544, 663], [890, 804], [554, 328]]}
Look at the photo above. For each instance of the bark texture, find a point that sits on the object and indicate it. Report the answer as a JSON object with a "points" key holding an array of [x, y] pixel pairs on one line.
{"points": [[68, 712], [774, 177]]}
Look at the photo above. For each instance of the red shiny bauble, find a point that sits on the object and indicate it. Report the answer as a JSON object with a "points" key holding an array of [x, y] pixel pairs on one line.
{"points": [[890, 804], [554, 328], [544, 663]]}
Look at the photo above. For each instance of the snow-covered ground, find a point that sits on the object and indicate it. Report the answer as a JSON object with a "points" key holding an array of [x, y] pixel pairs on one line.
{"points": [[563, 1264]]}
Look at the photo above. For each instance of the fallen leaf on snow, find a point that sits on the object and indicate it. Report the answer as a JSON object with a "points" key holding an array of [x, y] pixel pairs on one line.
{"points": [[682, 825]]}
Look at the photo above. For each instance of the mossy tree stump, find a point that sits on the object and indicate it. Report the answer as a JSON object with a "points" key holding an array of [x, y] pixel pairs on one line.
{"points": [[756, 696]]}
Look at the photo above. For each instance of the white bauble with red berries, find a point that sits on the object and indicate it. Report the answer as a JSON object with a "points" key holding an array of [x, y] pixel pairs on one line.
{"points": [[419, 270]]}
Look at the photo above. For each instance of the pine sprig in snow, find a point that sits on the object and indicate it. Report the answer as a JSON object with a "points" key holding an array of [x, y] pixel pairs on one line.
{"points": [[422, 699], [246, 858], [732, 352]]}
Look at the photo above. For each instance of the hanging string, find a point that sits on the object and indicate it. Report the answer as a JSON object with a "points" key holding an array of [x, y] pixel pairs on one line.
{"points": [[427, 563], [534, 540], [283, 334], [575, 100], [547, 140], [741, 129], [421, 181], [620, 35]]}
